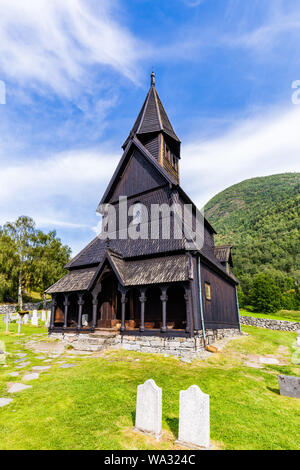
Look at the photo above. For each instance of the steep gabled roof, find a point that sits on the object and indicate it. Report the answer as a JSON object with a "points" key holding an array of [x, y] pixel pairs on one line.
{"points": [[152, 117], [123, 162]]}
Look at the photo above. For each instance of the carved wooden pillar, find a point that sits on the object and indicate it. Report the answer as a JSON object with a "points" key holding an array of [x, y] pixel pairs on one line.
{"points": [[53, 306], [164, 299], [123, 302], [187, 296], [66, 304], [80, 305], [143, 299], [95, 305]]}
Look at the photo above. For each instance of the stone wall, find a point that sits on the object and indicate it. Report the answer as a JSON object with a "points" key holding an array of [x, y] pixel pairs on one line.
{"points": [[188, 348], [281, 325], [11, 308]]}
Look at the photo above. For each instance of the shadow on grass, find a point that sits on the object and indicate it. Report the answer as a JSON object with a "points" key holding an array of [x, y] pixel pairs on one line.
{"points": [[274, 390], [133, 417], [173, 424]]}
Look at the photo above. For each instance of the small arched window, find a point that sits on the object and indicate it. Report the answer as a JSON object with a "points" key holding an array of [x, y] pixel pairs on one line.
{"points": [[137, 213]]}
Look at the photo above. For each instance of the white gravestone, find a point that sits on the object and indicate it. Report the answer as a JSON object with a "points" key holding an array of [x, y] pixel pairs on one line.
{"points": [[194, 424], [44, 316], [26, 319], [34, 319], [48, 316], [85, 319], [7, 322], [149, 408]]}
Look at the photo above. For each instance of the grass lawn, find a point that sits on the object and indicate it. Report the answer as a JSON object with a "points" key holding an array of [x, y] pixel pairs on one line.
{"points": [[287, 315], [92, 405]]}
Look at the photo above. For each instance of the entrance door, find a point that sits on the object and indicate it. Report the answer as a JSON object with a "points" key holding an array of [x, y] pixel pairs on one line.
{"points": [[108, 303]]}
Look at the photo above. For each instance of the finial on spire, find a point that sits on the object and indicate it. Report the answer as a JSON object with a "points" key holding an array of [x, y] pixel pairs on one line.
{"points": [[152, 78]]}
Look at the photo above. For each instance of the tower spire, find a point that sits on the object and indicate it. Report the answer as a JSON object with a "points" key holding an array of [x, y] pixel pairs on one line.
{"points": [[153, 79]]}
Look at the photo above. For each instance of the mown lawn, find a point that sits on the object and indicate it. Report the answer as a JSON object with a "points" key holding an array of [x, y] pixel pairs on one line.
{"points": [[92, 405], [287, 315]]}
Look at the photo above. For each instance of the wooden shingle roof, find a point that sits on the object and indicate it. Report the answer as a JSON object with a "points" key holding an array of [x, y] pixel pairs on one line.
{"points": [[78, 280], [152, 118], [223, 253]]}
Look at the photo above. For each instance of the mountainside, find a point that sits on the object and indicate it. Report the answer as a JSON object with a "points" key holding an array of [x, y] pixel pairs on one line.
{"points": [[261, 218]]}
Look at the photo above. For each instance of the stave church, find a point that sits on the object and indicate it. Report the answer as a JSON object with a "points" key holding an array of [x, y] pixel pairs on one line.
{"points": [[132, 289]]}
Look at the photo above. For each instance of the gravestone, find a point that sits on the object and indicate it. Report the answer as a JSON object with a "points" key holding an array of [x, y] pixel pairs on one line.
{"points": [[194, 422], [43, 318], [149, 408], [7, 322], [85, 319], [34, 319], [48, 315], [289, 386], [26, 319]]}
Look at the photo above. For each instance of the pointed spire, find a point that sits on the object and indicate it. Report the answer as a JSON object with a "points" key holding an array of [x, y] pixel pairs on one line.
{"points": [[153, 79], [152, 116]]}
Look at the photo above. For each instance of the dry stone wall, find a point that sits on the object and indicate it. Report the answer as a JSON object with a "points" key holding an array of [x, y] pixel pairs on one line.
{"points": [[281, 325], [188, 348]]}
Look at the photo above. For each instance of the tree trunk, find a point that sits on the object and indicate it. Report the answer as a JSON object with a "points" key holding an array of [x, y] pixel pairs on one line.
{"points": [[20, 293]]}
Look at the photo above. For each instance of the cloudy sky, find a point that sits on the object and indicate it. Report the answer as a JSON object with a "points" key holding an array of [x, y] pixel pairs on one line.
{"points": [[76, 73]]}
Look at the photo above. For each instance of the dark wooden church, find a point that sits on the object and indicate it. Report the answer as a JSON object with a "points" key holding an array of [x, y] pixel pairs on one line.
{"points": [[151, 287]]}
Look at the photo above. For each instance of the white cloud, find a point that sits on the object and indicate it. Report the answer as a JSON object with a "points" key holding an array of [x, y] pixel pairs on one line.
{"points": [[54, 42], [263, 145], [56, 190]]}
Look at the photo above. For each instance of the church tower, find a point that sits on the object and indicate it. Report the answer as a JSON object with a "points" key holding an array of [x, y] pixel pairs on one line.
{"points": [[154, 130]]}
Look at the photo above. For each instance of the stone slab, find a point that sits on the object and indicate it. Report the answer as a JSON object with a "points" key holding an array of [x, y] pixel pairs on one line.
{"points": [[289, 386], [5, 401], [268, 360], [18, 387], [28, 377], [41, 368], [14, 374], [22, 365], [67, 366]]}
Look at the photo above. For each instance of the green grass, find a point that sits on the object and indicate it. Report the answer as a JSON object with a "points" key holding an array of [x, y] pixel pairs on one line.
{"points": [[287, 315], [92, 406]]}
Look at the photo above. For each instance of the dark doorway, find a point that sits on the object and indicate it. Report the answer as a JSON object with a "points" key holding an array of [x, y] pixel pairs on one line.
{"points": [[176, 308], [109, 303]]}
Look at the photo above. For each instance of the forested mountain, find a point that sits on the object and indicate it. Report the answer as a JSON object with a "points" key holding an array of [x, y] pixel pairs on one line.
{"points": [[260, 217]]}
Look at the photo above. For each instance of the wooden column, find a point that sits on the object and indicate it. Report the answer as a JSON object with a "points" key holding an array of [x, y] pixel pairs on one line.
{"points": [[123, 302], [189, 325], [95, 305], [66, 304], [164, 299], [53, 305], [80, 306], [143, 299]]}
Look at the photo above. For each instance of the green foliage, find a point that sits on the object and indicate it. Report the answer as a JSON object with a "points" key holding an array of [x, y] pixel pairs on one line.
{"points": [[260, 217], [265, 295], [29, 259]]}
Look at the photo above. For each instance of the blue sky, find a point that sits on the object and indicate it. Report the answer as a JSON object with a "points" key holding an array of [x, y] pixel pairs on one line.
{"points": [[76, 74]]}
